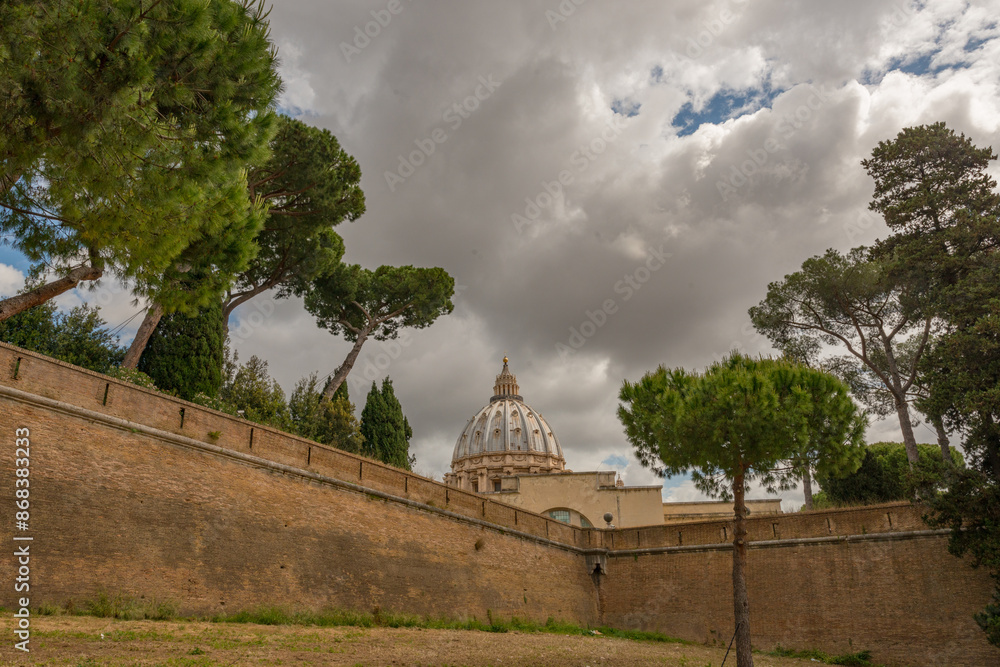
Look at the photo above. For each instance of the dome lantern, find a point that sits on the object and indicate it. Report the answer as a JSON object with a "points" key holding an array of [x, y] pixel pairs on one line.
{"points": [[506, 385]]}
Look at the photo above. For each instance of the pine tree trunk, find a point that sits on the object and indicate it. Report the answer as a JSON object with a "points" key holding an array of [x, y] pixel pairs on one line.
{"points": [[807, 488], [21, 302], [909, 441], [345, 368], [741, 600], [142, 336], [942, 438], [232, 304]]}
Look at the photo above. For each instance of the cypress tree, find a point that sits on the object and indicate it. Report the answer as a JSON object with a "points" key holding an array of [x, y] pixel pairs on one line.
{"points": [[385, 430], [185, 353], [397, 448], [373, 424]]}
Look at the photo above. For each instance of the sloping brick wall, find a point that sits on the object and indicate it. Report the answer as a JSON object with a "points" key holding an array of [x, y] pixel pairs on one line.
{"points": [[130, 493], [214, 527]]}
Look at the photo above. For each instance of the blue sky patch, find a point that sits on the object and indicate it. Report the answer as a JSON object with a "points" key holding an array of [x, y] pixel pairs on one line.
{"points": [[295, 112], [626, 107], [974, 43], [12, 257], [920, 65], [616, 461], [675, 481], [724, 105]]}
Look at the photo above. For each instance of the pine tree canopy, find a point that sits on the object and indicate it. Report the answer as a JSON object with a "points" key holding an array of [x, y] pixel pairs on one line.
{"points": [[359, 303], [310, 186], [129, 127], [330, 422]]}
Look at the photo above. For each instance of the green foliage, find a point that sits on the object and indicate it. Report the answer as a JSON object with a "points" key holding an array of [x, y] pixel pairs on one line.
{"points": [[859, 659], [310, 186], [251, 392], [935, 192], [327, 421], [132, 375], [214, 403], [385, 430], [127, 608], [380, 302], [934, 189], [359, 304], [128, 127], [742, 417], [79, 337], [989, 620], [885, 475], [851, 303], [380, 618], [185, 353]]}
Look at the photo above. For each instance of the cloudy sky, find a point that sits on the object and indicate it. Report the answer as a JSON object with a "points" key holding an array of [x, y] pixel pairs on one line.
{"points": [[611, 185]]}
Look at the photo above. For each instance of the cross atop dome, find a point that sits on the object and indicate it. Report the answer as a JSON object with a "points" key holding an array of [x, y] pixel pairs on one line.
{"points": [[506, 384]]}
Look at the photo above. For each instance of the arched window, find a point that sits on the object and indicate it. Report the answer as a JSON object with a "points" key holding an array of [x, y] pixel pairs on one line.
{"points": [[567, 515]]}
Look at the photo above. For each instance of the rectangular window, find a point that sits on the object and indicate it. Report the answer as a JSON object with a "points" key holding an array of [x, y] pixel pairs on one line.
{"points": [[475, 485], [560, 515], [496, 485]]}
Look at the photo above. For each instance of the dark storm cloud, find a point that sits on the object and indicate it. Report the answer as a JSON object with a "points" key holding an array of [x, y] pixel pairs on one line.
{"points": [[547, 206], [735, 203]]}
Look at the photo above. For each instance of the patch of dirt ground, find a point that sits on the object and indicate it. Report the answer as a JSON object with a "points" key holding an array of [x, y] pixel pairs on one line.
{"points": [[87, 641]]}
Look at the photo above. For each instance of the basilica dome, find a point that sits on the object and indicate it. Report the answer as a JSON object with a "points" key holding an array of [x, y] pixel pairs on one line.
{"points": [[506, 437]]}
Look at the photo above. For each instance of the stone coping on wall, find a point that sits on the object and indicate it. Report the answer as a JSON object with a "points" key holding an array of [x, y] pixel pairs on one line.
{"points": [[895, 520], [748, 501], [57, 385], [65, 387]]}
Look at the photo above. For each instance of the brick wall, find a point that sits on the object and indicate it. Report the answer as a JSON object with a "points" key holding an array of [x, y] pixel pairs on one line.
{"points": [[898, 594], [155, 506], [48, 378], [125, 511]]}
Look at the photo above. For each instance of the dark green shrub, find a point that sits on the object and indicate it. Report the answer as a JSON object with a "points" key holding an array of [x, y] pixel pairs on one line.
{"points": [[885, 475]]}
